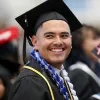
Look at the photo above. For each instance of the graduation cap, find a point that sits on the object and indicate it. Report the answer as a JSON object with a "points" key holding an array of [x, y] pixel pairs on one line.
{"points": [[48, 10]]}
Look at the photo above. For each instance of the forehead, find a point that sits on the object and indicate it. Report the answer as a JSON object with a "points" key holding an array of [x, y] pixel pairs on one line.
{"points": [[89, 33], [54, 25]]}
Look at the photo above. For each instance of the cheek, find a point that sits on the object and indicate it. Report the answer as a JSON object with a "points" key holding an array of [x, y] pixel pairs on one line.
{"points": [[68, 42], [42, 44], [89, 45]]}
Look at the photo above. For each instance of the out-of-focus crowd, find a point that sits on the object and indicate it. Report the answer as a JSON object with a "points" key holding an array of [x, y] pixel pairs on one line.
{"points": [[83, 63], [9, 59]]}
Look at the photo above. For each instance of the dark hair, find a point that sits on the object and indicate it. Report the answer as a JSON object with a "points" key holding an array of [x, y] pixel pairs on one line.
{"points": [[79, 35], [9, 50]]}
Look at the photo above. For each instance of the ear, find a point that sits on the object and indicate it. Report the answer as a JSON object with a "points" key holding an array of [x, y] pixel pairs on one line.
{"points": [[34, 42], [71, 39], [71, 36]]}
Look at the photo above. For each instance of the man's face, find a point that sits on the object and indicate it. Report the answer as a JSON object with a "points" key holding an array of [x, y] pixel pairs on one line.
{"points": [[53, 41]]}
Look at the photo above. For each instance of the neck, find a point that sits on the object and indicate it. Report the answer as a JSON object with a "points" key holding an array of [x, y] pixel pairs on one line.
{"points": [[57, 66]]}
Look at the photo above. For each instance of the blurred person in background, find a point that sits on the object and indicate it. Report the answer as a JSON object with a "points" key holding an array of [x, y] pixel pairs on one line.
{"points": [[95, 56], [5, 86], [9, 51], [8, 72], [81, 62], [5, 83], [9, 66], [95, 97]]}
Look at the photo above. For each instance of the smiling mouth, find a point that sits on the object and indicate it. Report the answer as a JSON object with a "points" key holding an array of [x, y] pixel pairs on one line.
{"points": [[57, 50]]}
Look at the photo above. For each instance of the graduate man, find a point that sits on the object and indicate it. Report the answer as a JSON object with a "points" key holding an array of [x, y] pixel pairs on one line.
{"points": [[48, 29]]}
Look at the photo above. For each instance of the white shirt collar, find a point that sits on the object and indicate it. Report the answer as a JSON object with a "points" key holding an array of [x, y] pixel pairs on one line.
{"points": [[58, 70]]}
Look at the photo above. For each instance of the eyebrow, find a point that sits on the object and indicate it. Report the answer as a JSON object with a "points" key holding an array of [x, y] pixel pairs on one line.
{"points": [[54, 33], [65, 33]]}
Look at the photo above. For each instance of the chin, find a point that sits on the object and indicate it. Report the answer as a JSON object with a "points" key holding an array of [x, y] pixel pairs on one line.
{"points": [[55, 61]]}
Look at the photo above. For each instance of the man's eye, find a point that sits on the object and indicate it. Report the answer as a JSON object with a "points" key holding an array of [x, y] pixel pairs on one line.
{"points": [[49, 36], [65, 35]]}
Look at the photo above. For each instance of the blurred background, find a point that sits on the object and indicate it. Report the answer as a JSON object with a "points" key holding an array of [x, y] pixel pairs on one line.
{"points": [[86, 10]]}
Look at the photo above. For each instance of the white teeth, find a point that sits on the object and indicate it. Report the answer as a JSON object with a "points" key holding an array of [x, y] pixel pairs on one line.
{"points": [[56, 50]]}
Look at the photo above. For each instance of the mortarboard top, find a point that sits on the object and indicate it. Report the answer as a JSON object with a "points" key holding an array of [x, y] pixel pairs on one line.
{"points": [[29, 19]]}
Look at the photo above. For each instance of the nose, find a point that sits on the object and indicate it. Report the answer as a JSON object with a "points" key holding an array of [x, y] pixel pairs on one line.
{"points": [[58, 41]]}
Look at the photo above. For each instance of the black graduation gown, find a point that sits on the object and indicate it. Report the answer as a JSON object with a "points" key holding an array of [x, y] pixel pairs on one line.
{"points": [[84, 84], [31, 86]]}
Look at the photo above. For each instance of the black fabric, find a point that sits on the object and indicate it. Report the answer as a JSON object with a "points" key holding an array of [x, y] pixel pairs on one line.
{"points": [[84, 84], [24, 49], [10, 66], [29, 19], [30, 86], [4, 71], [48, 16], [94, 99], [9, 50]]}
